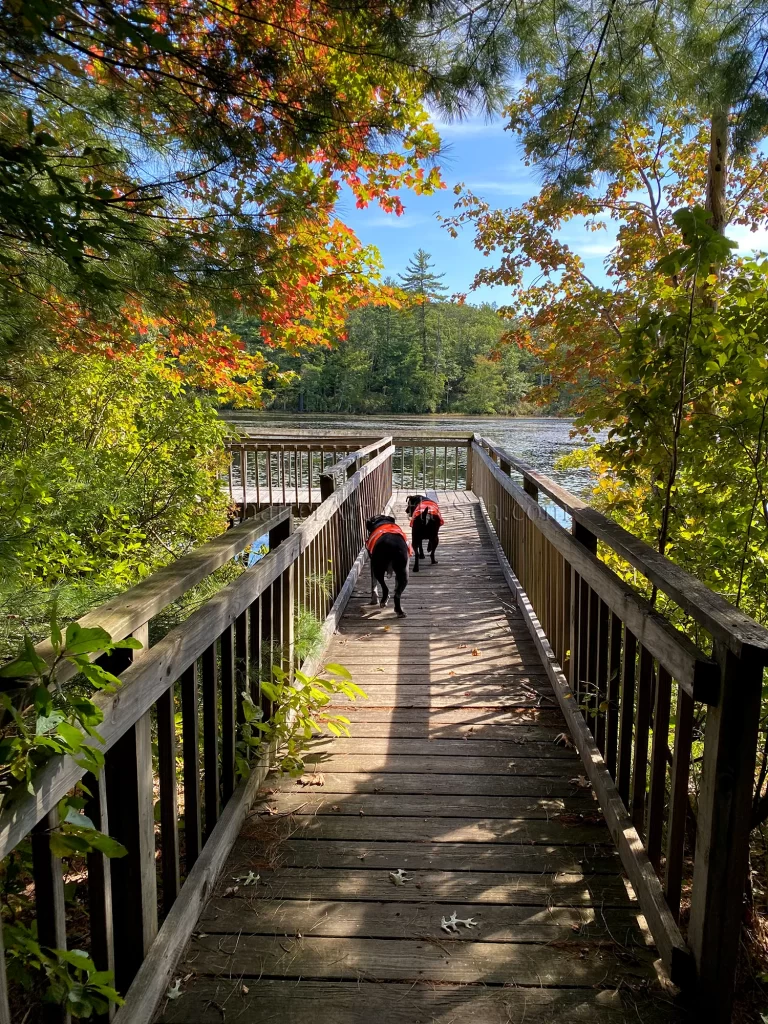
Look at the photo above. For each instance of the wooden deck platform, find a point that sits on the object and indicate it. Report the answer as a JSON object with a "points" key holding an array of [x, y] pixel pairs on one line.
{"points": [[452, 778]]}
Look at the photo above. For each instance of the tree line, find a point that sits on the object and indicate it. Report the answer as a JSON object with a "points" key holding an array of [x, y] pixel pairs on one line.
{"points": [[422, 354]]}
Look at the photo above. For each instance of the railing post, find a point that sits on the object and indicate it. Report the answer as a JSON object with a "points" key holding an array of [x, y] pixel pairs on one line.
{"points": [[470, 452], [326, 486], [130, 799], [722, 837]]}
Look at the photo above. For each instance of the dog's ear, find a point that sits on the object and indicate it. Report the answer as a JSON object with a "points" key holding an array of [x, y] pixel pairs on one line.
{"points": [[370, 524]]}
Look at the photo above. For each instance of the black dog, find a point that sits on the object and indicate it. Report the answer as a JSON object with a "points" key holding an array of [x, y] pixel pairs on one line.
{"points": [[425, 525], [388, 547]]}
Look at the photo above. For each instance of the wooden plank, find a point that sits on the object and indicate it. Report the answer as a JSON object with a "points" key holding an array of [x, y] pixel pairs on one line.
{"points": [[427, 806], [123, 614], [344, 919], [255, 956], [588, 830], [157, 969], [358, 1002], [376, 855], [437, 747], [480, 785], [470, 765], [450, 721], [639, 869]]}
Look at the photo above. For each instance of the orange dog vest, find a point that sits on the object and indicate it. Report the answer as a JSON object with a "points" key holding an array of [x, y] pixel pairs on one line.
{"points": [[380, 531], [427, 506]]}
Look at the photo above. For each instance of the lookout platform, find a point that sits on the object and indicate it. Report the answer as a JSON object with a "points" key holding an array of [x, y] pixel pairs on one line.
{"points": [[451, 801]]}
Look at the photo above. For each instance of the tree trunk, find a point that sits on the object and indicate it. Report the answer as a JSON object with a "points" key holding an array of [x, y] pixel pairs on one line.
{"points": [[717, 170]]}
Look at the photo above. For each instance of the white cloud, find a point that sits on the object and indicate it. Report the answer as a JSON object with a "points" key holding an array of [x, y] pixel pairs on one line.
{"points": [[593, 248], [507, 188], [471, 126]]}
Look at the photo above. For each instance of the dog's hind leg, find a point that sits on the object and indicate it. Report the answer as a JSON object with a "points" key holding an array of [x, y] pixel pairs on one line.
{"points": [[374, 595], [402, 583], [432, 548], [416, 555], [384, 592]]}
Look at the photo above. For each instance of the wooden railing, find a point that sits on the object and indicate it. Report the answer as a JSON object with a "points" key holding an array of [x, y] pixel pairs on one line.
{"points": [[198, 672], [291, 469], [628, 680]]}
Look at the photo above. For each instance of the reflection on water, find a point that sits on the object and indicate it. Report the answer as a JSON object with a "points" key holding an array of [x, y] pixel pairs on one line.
{"points": [[538, 440]]}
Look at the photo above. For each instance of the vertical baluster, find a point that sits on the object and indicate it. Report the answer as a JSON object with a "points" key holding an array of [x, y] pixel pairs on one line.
{"points": [[601, 679], [190, 746], [297, 472], [169, 810], [678, 810], [244, 480], [612, 695], [210, 673], [228, 714], [642, 729], [47, 872], [130, 799], [257, 474], [658, 789], [269, 476], [310, 467], [244, 670], [626, 716], [99, 882], [281, 456]]}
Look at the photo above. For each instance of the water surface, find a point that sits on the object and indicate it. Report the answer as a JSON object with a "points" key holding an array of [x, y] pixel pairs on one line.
{"points": [[541, 441]]}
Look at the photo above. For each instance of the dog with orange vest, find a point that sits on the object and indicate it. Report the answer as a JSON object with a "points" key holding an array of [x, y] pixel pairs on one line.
{"points": [[426, 520], [389, 550]]}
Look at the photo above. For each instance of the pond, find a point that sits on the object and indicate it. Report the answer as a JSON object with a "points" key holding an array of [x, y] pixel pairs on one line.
{"points": [[541, 441]]}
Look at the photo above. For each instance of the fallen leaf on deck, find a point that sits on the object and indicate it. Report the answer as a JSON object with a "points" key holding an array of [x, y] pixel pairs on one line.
{"points": [[315, 779], [399, 877], [475, 653], [581, 781]]}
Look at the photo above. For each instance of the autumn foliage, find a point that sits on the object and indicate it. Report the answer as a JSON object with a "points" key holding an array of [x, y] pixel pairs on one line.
{"points": [[164, 164]]}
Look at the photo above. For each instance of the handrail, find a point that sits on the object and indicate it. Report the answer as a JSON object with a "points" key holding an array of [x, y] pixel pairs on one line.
{"points": [[349, 465], [142, 683], [627, 681], [206, 667], [726, 623], [123, 614], [693, 669]]}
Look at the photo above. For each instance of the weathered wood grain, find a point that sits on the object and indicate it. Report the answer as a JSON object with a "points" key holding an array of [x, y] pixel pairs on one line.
{"points": [[359, 1002], [343, 919], [475, 856], [587, 830], [253, 956]]}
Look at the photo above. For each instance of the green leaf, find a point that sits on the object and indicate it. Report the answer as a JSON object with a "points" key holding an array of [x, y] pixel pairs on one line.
{"points": [[338, 670], [85, 641], [71, 735], [74, 817]]}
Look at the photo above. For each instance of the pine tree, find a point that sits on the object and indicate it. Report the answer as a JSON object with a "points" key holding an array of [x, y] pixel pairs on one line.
{"points": [[421, 280]]}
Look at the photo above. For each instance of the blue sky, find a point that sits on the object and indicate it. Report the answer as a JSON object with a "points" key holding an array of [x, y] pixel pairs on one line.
{"points": [[489, 160]]}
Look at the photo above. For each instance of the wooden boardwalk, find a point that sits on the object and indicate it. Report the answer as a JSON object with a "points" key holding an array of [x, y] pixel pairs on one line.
{"points": [[452, 779]]}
